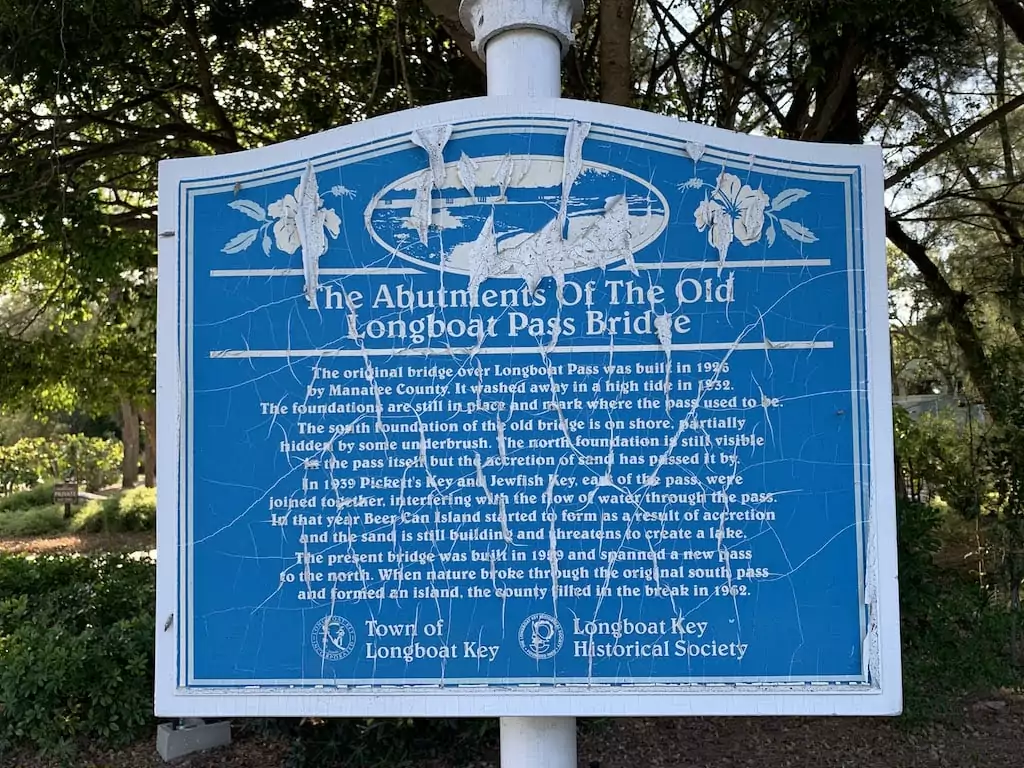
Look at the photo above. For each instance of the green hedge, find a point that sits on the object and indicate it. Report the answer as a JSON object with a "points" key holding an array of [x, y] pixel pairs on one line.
{"points": [[34, 521], [40, 496], [132, 510], [955, 635], [76, 650]]}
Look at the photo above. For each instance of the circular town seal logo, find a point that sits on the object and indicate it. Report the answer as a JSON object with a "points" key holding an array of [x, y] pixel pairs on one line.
{"points": [[540, 636], [334, 638]]}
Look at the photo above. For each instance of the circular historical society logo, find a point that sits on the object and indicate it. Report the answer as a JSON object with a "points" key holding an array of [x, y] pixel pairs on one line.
{"points": [[540, 636], [334, 638]]}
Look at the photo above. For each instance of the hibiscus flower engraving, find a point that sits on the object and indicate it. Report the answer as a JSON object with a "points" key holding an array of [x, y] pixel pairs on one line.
{"points": [[315, 218], [285, 215], [734, 211], [300, 221]]}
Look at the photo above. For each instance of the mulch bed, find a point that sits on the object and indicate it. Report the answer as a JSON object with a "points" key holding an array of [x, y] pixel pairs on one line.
{"points": [[84, 543]]}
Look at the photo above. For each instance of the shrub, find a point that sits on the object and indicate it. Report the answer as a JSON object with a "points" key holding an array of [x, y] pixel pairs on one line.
{"points": [[132, 510], [137, 510], [96, 462], [76, 650], [23, 463], [39, 496], [93, 460], [34, 521], [953, 633]]}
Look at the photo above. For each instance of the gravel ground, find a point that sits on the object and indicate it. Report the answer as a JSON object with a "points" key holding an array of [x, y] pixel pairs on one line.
{"points": [[988, 736]]}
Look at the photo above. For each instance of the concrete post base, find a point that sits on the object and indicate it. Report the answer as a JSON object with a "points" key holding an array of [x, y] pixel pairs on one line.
{"points": [[175, 740]]}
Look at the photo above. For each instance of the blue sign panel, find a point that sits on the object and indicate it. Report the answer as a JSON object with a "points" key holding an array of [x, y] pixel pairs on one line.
{"points": [[524, 399]]}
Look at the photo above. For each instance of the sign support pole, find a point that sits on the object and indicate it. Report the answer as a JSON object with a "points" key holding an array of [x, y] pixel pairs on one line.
{"points": [[522, 43]]}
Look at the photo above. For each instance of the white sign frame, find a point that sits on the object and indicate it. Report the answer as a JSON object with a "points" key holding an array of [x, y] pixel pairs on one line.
{"points": [[885, 698]]}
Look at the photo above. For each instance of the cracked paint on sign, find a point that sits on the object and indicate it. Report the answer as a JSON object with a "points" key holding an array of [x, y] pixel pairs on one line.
{"points": [[536, 412]]}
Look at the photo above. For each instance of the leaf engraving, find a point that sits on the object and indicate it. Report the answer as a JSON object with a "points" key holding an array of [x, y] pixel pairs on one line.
{"points": [[798, 232], [787, 197], [249, 208], [241, 241]]}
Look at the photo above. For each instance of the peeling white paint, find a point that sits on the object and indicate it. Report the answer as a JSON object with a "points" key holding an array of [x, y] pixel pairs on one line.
{"points": [[423, 206], [468, 168], [695, 150], [503, 175], [309, 222], [434, 140], [483, 259], [572, 164]]}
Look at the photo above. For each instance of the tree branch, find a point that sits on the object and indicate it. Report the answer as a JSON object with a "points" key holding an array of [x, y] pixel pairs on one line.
{"points": [[690, 39], [616, 52], [447, 12], [954, 305], [191, 27], [942, 147], [1013, 14]]}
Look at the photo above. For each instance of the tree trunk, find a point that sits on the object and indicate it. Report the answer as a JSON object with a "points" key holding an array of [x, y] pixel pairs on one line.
{"points": [[130, 438], [616, 37], [148, 415], [1013, 14], [954, 306]]}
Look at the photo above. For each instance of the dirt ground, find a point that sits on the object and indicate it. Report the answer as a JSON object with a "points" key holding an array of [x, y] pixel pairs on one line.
{"points": [[988, 736], [80, 542]]}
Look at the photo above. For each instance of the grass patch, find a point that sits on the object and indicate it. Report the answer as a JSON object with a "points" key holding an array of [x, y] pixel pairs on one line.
{"points": [[34, 521], [127, 511], [40, 496]]}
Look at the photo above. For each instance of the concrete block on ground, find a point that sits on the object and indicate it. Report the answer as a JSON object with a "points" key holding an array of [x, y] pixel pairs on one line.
{"points": [[175, 740]]}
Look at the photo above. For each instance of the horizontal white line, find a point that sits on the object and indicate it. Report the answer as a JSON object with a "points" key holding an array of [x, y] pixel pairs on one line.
{"points": [[223, 354], [639, 265], [300, 273], [730, 264]]}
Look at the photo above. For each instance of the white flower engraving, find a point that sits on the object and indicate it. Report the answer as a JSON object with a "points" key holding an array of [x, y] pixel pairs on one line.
{"points": [[734, 211], [299, 221], [284, 216], [286, 228], [737, 211]]}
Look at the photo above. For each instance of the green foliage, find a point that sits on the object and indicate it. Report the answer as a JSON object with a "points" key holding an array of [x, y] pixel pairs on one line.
{"points": [[892, 32], [39, 496], [954, 634], [93, 460], [76, 650], [936, 456], [132, 510], [96, 462], [34, 521]]}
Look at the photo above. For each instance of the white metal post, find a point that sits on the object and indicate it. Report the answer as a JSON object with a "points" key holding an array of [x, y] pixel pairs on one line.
{"points": [[522, 43], [538, 742]]}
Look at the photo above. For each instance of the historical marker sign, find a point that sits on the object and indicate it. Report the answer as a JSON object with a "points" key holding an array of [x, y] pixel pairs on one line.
{"points": [[525, 408]]}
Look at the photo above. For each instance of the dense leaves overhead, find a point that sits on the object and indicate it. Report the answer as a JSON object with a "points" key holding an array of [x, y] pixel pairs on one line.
{"points": [[94, 93]]}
